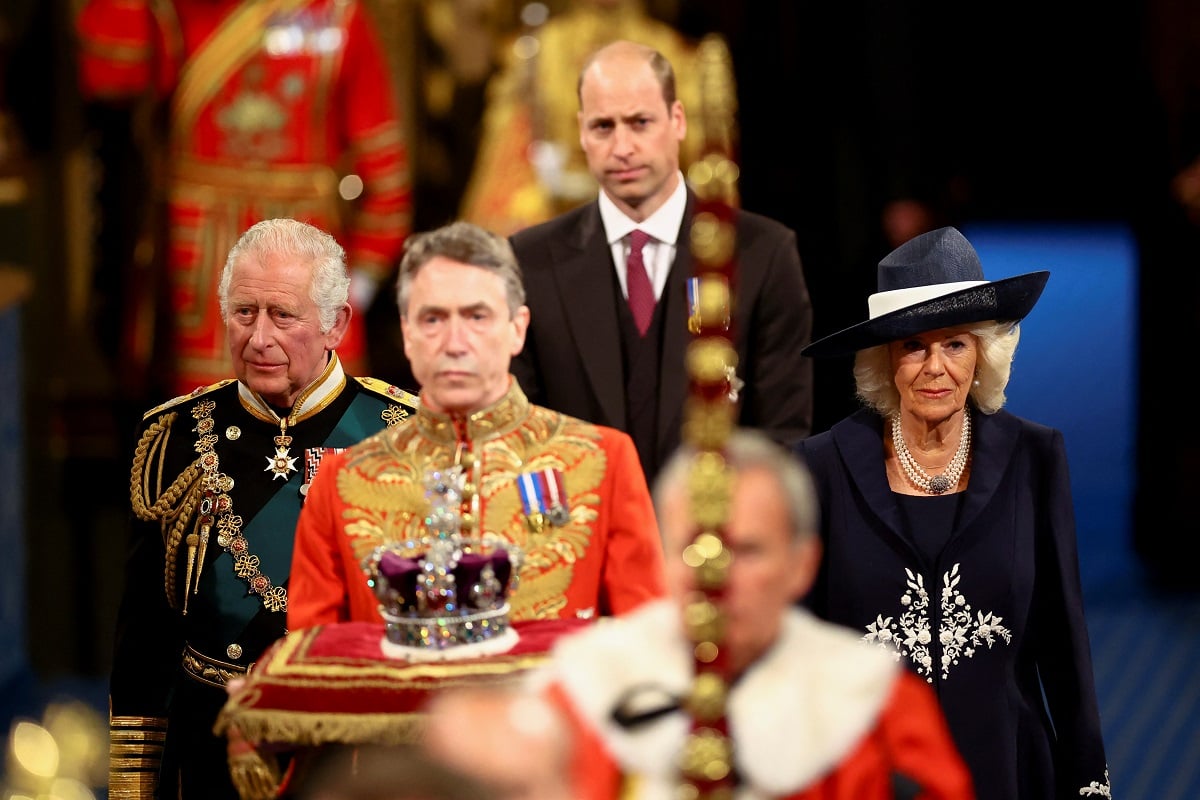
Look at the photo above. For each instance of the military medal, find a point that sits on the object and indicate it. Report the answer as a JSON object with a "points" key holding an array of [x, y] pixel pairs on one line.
{"points": [[556, 495], [312, 460], [544, 497], [531, 500], [282, 463], [693, 304], [710, 306]]}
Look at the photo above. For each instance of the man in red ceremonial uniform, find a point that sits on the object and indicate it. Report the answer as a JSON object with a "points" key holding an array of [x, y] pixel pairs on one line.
{"points": [[811, 713], [571, 495], [273, 109]]}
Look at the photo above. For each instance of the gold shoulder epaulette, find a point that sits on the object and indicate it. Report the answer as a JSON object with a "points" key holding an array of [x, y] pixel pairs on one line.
{"points": [[388, 391], [197, 392], [173, 506]]}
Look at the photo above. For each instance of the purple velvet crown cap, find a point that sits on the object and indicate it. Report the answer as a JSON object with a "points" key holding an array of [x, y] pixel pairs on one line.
{"points": [[401, 574], [445, 594]]}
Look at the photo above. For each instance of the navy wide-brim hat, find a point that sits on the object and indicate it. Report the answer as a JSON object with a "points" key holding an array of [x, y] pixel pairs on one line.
{"points": [[933, 281]]}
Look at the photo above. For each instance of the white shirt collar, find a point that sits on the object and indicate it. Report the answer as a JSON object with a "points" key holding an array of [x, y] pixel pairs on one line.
{"points": [[663, 224], [316, 396]]}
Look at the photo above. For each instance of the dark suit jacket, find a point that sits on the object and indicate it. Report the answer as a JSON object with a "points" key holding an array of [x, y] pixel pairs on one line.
{"points": [[572, 356], [995, 622]]}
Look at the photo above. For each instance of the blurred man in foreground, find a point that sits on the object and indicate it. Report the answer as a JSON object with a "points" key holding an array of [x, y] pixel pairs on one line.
{"points": [[811, 712]]}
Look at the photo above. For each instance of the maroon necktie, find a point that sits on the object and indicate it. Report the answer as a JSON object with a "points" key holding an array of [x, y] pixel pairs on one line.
{"points": [[641, 293]]}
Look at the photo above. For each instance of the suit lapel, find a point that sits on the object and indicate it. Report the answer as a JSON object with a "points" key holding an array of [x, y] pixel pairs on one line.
{"points": [[859, 439], [993, 440], [584, 282], [673, 378]]}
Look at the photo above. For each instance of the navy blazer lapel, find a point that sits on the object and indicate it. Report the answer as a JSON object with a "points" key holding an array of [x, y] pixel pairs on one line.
{"points": [[859, 440], [584, 280], [993, 440]]}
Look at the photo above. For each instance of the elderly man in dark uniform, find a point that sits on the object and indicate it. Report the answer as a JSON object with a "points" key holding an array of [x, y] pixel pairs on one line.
{"points": [[217, 483]]}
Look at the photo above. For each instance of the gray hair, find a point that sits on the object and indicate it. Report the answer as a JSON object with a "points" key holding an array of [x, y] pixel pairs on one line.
{"points": [[330, 287], [465, 243], [997, 346], [748, 449]]}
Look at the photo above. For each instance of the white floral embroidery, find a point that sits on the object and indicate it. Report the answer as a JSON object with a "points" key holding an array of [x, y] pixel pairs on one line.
{"points": [[959, 634], [1097, 788]]}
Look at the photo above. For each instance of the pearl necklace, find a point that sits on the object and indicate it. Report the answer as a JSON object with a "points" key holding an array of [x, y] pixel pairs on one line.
{"points": [[934, 484]]}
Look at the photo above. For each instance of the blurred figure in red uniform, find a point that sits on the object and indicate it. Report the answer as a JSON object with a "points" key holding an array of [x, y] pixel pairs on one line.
{"points": [[270, 109]]}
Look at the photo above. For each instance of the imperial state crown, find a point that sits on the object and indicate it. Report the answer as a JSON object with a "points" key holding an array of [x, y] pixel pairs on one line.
{"points": [[445, 595]]}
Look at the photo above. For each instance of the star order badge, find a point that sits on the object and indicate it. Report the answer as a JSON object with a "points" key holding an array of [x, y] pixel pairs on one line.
{"points": [[735, 383], [282, 463]]}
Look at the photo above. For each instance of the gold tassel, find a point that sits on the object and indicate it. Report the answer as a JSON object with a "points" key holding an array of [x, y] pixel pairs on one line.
{"points": [[191, 564], [204, 529]]}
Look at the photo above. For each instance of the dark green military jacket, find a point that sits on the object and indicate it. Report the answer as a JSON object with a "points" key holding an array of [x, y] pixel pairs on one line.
{"points": [[217, 482]]}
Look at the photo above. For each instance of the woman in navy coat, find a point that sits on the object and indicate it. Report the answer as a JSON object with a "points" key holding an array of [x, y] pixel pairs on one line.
{"points": [[948, 523]]}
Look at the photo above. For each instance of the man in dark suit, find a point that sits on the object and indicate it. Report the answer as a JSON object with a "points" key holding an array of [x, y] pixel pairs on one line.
{"points": [[585, 354]]}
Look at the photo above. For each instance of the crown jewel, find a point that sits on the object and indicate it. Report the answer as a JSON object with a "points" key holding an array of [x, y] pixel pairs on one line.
{"points": [[445, 590]]}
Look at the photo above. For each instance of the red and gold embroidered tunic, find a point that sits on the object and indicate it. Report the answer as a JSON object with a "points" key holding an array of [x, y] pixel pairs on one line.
{"points": [[277, 108], [603, 556]]}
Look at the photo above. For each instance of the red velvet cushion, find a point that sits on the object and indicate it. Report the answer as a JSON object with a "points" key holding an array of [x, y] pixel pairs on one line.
{"points": [[332, 683]]}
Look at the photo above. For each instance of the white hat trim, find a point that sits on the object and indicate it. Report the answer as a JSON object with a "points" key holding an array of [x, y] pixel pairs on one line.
{"points": [[882, 303]]}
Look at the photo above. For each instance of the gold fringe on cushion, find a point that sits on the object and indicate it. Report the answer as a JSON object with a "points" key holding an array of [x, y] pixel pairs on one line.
{"points": [[306, 729]]}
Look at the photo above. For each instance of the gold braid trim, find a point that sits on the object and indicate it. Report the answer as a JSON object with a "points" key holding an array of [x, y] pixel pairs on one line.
{"points": [[135, 754], [175, 506], [151, 447]]}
